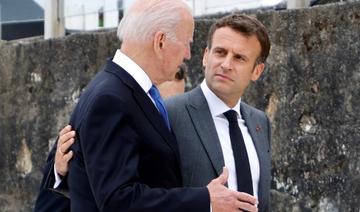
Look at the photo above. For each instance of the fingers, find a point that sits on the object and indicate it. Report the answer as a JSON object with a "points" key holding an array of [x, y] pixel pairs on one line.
{"points": [[64, 147], [65, 136], [63, 155], [62, 162], [245, 197], [224, 176], [224, 199], [222, 179], [246, 202], [244, 206], [68, 156], [64, 130]]}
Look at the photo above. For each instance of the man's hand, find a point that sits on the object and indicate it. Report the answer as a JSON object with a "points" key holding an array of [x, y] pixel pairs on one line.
{"points": [[63, 155], [222, 199]]}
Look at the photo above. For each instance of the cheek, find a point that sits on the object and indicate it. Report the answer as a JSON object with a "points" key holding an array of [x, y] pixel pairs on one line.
{"points": [[181, 52], [215, 62], [207, 63], [210, 74], [177, 55]]}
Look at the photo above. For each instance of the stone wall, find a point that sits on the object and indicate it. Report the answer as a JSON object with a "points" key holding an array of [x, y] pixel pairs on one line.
{"points": [[309, 90]]}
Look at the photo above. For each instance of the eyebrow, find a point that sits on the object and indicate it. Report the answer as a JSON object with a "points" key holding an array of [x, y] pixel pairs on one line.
{"points": [[218, 48], [242, 55], [235, 54]]}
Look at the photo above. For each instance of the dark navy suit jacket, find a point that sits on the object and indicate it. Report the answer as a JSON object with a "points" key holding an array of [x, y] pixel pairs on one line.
{"points": [[48, 200], [125, 158]]}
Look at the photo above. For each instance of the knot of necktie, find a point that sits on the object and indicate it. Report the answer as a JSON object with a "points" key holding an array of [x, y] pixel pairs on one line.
{"points": [[154, 92], [231, 116]]}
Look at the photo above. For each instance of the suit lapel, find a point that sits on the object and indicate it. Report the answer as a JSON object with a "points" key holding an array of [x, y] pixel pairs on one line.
{"points": [[204, 125], [155, 118], [146, 105], [254, 127]]}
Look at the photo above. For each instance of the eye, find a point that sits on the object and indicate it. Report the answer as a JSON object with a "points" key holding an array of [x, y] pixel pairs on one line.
{"points": [[240, 58], [220, 52]]}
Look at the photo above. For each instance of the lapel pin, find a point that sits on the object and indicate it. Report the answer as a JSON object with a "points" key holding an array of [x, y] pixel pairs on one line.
{"points": [[258, 129]]}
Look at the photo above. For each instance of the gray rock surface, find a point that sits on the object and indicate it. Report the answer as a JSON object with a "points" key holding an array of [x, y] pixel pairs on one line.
{"points": [[309, 90]]}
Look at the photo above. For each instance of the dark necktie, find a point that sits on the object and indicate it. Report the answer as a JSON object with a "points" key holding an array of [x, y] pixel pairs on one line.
{"points": [[154, 93], [242, 165]]}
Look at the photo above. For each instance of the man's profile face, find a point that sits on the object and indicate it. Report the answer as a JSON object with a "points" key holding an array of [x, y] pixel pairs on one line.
{"points": [[230, 64]]}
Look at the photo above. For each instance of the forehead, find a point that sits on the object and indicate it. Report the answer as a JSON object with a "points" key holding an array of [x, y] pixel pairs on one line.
{"points": [[228, 38], [186, 25]]}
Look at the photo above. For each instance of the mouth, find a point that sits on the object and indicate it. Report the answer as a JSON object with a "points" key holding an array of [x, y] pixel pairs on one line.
{"points": [[223, 77]]}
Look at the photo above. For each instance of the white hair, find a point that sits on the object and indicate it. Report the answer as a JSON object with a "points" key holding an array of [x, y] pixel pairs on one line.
{"points": [[146, 17]]}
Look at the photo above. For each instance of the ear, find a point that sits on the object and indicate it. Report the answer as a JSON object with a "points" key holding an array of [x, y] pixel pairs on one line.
{"points": [[158, 43], [258, 70], [205, 57]]}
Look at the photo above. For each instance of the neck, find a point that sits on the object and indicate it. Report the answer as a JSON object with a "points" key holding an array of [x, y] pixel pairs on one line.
{"points": [[229, 100], [141, 54]]}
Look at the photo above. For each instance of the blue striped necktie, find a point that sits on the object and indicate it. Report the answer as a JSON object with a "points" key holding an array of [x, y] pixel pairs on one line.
{"points": [[155, 95]]}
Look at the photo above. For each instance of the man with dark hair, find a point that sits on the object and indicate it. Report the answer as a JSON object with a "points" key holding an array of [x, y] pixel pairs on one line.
{"points": [[214, 128]]}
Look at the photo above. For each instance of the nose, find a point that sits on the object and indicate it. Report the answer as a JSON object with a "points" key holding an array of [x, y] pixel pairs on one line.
{"points": [[226, 64]]}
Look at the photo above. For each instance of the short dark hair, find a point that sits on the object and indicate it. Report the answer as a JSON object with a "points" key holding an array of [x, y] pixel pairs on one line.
{"points": [[180, 75], [247, 26]]}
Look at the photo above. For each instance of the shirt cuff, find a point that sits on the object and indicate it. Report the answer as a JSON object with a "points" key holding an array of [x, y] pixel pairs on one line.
{"points": [[58, 179]]}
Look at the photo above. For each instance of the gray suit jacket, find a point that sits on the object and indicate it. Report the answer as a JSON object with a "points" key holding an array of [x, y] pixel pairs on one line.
{"points": [[200, 150]]}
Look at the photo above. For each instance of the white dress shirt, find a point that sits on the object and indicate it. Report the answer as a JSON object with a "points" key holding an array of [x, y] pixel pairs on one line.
{"points": [[217, 108], [136, 72]]}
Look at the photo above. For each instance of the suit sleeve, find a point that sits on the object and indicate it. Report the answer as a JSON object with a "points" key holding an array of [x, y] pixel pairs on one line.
{"points": [[110, 150], [47, 199]]}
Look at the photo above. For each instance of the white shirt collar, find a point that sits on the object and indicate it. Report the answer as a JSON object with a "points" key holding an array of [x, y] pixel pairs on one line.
{"points": [[133, 69], [216, 105]]}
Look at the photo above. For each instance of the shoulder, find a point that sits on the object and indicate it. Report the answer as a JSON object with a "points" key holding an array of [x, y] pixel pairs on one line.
{"points": [[189, 97], [255, 114], [253, 110], [181, 99]]}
